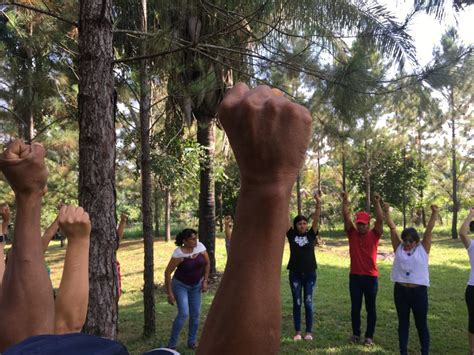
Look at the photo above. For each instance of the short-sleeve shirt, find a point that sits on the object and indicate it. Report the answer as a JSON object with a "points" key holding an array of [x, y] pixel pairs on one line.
{"points": [[302, 256], [363, 252], [470, 252], [191, 269]]}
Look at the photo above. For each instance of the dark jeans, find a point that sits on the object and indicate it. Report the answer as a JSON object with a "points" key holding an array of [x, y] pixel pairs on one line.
{"points": [[363, 286], [416, 300], [302, 281]]}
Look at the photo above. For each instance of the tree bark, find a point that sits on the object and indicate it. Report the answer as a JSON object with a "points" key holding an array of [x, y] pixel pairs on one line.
{"points": [[148, 274], [97, 162], [157, 214], [167, 215], [207, 211], [454, 223]]}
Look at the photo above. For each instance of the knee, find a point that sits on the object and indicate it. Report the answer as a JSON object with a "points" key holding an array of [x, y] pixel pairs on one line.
{"points": [[308, 301], [183, 314], [63, 326]]}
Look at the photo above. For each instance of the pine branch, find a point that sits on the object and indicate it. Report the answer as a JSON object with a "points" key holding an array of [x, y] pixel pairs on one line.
{"points": [[44, 12]]}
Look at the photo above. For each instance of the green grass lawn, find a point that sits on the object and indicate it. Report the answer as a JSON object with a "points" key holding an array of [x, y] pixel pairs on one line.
{"points": [[449, 269]]}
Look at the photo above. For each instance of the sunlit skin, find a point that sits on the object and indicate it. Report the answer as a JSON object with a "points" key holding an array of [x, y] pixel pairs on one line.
{"points": [[362, 228], [302, 227]]}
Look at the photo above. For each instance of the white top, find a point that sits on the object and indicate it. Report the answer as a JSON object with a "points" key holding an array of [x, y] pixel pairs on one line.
{"points": [[178, 253], [411, 266], [470, 252]]}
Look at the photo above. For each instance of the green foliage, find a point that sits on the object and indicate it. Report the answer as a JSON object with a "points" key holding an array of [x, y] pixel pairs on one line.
{"points": [[394, 173]]}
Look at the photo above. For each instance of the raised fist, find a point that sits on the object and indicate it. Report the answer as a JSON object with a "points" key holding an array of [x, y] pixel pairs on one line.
{"points": [[74, 222], [377, 198], [434, 208], [386, 207], [24, 168], [268, 133]]}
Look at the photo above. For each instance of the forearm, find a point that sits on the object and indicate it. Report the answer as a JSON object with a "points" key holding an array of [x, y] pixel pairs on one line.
{"points": [[70, 316], [252, 277], [26, 285], [464, 230], [49, 234], [378, 217], [346, 214], [168, 289], [431, 223], [316, 217], [5, 226]]}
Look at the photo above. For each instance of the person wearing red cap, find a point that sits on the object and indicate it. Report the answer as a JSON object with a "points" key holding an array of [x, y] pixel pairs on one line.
{"points": [[363, 277]]}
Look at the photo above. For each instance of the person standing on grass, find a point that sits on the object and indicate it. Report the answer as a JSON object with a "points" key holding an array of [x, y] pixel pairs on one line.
{"points": [[467, 225], [363, 277], [228, 225], [302, 267], [411, 276], [191, 262]]}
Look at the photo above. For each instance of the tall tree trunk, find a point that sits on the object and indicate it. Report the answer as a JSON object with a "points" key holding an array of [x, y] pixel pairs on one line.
{"points": [[298, 193], [454, 223], [207, 212], [420, 157], [167, 215], [97, 162], [157, 214], [148, 274], [367, 177], [404, 197]]}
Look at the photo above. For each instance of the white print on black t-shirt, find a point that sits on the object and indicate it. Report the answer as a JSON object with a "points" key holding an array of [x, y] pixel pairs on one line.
{"points": [[301, 241]]}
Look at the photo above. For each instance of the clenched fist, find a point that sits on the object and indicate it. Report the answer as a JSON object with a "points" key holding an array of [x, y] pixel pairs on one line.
{"points": [[24, 168], [268, 133]]}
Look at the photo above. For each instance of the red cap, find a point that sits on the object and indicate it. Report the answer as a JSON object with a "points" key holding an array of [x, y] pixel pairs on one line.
{"points": [[362, 217]]}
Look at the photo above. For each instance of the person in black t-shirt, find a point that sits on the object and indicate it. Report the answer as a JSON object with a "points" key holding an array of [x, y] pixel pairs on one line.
{"points": [[302, 267]]}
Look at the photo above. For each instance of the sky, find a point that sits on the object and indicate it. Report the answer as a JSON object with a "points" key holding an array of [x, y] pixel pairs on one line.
{"points": [[426, 31]]}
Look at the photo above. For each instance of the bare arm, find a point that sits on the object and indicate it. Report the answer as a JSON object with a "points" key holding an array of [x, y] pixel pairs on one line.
{"points": [[378, 226], [121, 228], [393, 228], [317, 211], [465, 228], [256, 122], [429, 228], [26, 285], [49, 234], [207, 269], [228, 227], [73, 295], [172, 265], [346, 213]]}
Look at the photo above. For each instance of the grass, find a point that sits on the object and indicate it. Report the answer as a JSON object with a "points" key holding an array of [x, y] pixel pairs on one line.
{"points": [[447, 318]]}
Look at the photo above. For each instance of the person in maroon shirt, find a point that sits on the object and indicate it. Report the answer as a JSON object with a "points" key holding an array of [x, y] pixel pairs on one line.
{"points": [[363, 277]]}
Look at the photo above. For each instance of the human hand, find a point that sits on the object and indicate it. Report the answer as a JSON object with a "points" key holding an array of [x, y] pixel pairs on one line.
{"points": [[377, 198], [317, 197], [171, 299], [24, 168], [123, 217], [434, 208], [205, 286], [74, 222], [268, 133], [386, 207]]}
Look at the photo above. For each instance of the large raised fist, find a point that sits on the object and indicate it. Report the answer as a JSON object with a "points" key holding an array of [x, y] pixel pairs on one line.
{"points": [[268, 133], [24, 168]]}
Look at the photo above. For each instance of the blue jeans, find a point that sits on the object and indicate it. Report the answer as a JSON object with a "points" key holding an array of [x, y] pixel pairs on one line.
{"points": [[188, 300], [305, 281], [363, 286], [415, 299]]}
